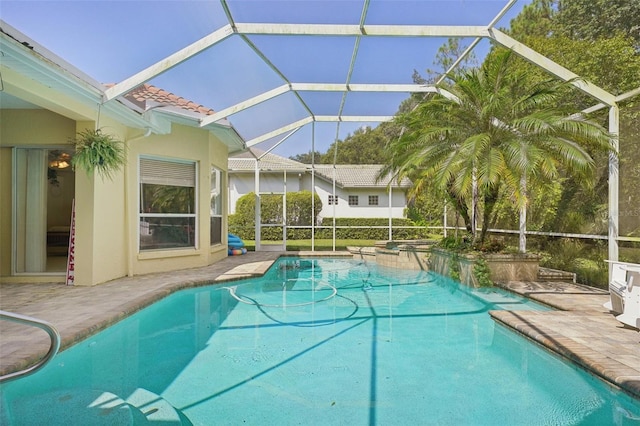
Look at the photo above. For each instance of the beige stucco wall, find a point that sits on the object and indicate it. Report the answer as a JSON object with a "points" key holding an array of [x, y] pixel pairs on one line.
{"points": [[34, 127], [5, 211], [219, 158], [100, 220], [183, 143], [23, 127], [107, 210]]}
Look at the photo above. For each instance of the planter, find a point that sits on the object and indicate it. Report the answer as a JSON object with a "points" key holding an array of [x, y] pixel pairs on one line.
{"points": [[503, 267], [404, 254], [98, 151], [513, 267]]}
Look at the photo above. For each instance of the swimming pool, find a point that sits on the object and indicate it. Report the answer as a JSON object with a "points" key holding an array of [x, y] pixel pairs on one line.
{"points": [[316, 341]]}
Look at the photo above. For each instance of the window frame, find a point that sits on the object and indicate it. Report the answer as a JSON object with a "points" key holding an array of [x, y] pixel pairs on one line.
{"points": [[194, 214], [354, 200], [333, 200], [375, 198], [219, 176]]}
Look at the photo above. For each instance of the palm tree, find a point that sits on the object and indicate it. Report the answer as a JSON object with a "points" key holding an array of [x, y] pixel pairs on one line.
{"points": [[493, 132]]}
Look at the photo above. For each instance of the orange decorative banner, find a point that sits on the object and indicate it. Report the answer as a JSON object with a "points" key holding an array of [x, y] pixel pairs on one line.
{"points": [[71, 263]]}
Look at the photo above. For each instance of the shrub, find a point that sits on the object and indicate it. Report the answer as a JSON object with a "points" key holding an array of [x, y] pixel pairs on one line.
{"points": [[299, 213], [363, 229]]}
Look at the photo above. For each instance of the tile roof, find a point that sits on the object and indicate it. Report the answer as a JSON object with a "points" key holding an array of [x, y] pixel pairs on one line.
{"points": [[145, 93], [245, 162], [357, 175], [347, 176]]}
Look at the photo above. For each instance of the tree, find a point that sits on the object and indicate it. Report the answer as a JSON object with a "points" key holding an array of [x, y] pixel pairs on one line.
{"points": [[364, 146], [447, 54], [307, 157], [593, 19], [587, 20], [535, 20], [490, 135], [600, 41]]}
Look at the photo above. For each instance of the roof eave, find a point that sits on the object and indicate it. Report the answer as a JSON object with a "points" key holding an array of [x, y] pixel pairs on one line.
{"points": [[28, 58], [225, 132]]}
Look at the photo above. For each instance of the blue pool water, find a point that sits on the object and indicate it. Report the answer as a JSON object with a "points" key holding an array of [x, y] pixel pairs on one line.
{"points": [[316, 342]]}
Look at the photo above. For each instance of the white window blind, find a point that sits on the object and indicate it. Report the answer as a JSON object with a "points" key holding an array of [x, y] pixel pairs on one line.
{"points": [[163, 172]]}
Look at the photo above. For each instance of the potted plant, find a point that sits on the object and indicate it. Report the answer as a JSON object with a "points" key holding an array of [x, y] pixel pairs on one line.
{"points": [[98, 151]]}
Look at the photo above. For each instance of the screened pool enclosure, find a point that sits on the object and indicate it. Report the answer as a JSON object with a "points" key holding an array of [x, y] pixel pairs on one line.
{"points": [[295, 76]]}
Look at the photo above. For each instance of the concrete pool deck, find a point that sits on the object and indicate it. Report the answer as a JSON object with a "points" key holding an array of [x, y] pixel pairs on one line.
{"points": [[581, 330]]}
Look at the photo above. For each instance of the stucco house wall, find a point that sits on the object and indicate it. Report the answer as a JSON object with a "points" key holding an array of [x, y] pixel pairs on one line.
{"points": [[194, 145], [47, 116], [363, 209], [17, 128], [270, 182]]}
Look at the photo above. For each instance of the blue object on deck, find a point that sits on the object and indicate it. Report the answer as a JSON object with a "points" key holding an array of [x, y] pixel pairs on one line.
{"points": [[235, 242]]}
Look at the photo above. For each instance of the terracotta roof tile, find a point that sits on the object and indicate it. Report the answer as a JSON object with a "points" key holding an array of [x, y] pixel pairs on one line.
{"points": [[146, 92]]}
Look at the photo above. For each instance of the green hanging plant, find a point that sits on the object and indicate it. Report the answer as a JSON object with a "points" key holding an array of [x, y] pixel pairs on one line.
{"points": [[482, 272], [98, 151]]}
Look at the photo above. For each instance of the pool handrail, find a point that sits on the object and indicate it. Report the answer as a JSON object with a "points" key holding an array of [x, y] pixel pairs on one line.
{"points": [[34, 322]]}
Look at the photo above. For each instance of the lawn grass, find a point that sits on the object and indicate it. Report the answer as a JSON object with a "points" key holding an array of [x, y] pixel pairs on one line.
{"points": [[320, 244]]}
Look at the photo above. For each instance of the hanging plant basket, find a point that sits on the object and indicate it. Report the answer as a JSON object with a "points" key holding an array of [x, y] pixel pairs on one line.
{"points": [[100, 152]]}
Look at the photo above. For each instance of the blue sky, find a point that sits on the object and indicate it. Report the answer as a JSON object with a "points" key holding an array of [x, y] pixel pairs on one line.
{"points": [[112, 40]]}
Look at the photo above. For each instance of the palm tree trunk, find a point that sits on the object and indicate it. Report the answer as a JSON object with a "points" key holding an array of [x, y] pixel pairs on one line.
{"points": [[461, 209], [522, 245], [490, 199], [474, 207]]}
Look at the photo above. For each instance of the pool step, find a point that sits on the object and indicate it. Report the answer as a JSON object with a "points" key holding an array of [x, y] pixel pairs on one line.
{"points": [[155, 408], [145, 407], [547, 274]]}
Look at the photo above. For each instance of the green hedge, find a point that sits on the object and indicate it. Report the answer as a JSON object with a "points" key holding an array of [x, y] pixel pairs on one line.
{"points": [[369, 233], [299, 213]]}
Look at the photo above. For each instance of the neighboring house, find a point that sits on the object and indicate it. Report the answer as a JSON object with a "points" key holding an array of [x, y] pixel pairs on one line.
{"points": [[124, 226], [357, 192], [278, 175]]}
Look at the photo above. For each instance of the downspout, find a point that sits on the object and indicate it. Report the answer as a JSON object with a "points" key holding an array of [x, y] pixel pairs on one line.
{"points": [[128, 223]]}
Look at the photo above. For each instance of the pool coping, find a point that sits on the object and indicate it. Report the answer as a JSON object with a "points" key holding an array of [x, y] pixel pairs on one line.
{"points": [[580, 330]]}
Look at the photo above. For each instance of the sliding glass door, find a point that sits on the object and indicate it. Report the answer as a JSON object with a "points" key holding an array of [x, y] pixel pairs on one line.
{"points": [[43, 191]]}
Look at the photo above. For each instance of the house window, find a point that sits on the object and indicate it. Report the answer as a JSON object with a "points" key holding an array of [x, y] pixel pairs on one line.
{"points": [[373, 200], [353, 200], [216, 206], [167, 204], [333, 200]]}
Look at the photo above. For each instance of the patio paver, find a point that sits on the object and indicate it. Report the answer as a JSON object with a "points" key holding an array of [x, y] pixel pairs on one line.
{"points": [[582, 330]]}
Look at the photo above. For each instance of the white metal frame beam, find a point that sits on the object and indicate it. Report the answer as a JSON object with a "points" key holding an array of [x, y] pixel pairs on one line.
{"points": [[357, 31], [167, 63], [244, 30], [362, 30], [314, 87]]}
